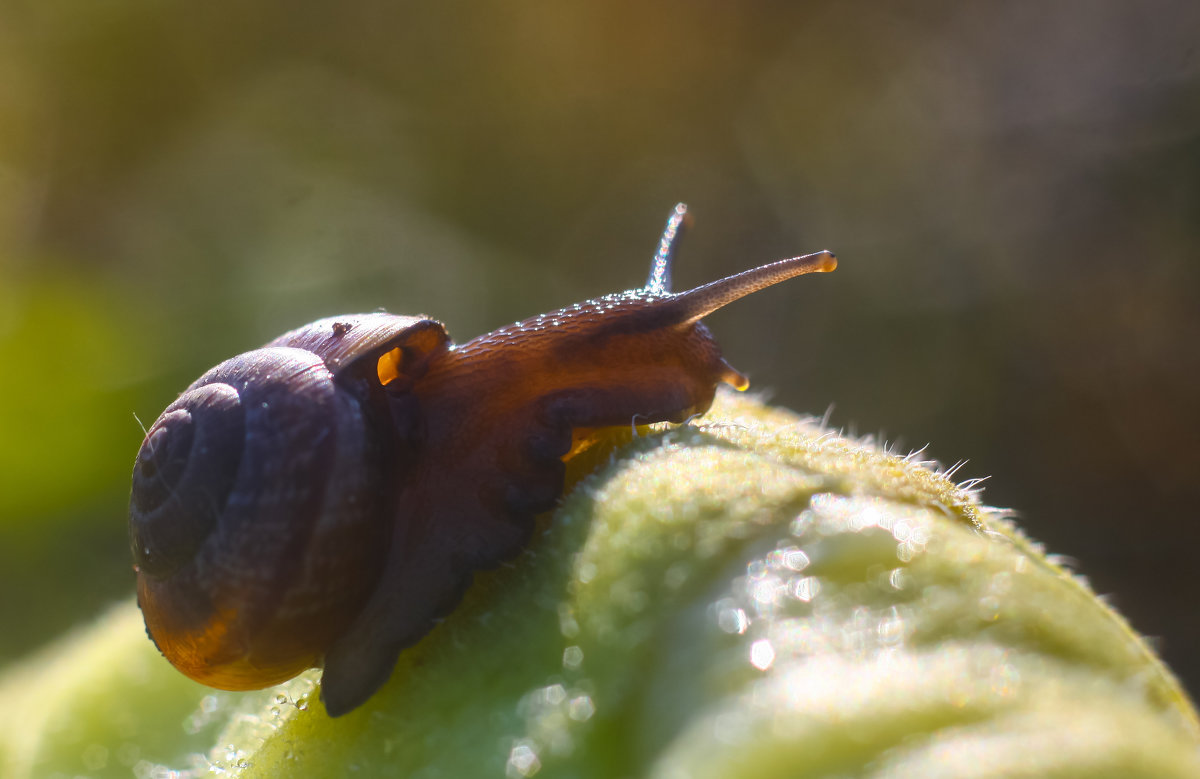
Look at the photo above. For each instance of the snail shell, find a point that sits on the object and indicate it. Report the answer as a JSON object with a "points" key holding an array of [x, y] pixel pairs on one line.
{"points": [[319, 502], [260, 504]]}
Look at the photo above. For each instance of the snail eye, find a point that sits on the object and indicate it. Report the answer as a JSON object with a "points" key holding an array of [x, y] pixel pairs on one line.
{"points": [[389, 365]]}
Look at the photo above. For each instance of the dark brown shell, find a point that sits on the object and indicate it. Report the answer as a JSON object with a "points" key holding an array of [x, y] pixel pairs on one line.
{"points": [[261, 510]]}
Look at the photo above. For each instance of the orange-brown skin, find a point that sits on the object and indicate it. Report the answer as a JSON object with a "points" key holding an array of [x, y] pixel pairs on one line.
{"points": [[335, 535]]}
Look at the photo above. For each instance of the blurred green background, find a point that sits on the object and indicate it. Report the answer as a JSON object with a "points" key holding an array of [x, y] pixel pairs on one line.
{"points": [[1013, 190]]}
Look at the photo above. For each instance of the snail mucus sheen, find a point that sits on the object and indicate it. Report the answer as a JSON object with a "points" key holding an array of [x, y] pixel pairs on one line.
{"points": [[321, 501]]}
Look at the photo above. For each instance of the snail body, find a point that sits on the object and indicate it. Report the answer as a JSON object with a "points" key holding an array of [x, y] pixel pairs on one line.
{"points": [[319, 502]]}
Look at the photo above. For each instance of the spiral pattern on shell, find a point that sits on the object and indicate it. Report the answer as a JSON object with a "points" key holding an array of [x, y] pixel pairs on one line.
{"points": [[259, 516]]}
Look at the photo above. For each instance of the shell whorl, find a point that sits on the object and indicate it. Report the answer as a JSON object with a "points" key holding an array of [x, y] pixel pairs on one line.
{"points": [[177, 497], [261, 510]]}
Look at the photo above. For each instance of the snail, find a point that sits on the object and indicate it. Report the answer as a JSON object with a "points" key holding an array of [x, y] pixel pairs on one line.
{"points": [[321, 501]]}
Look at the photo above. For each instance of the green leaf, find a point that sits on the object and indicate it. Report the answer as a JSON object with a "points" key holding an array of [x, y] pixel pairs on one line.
{"points": [[750, 595]]}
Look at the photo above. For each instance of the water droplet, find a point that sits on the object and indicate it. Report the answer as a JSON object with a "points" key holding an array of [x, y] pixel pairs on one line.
{"points": [[567, 624], [802, 523], [572, 658], [765, 592], [891, 627], [867, 516], [581, 708], [522, 760], [804, 588], [730, 618], [553, 695], [762, 654], [791, 558]]}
